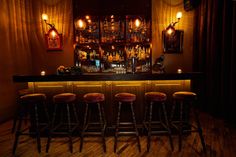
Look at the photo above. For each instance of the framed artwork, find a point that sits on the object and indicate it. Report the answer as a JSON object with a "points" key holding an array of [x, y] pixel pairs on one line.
{"points": [[173, 43], [53, 40]]}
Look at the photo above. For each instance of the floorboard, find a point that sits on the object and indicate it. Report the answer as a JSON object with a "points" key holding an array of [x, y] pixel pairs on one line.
{"points": [[220, 140]]}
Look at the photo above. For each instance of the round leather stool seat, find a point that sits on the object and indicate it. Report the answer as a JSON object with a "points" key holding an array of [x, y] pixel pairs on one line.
{"points": [[155, 96], [94, 97], [125, 97], [184, 95], [23, 92], [64, 98], [31, 98]]}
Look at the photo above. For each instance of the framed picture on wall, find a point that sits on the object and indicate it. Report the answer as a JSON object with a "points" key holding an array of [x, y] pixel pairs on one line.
{"points": [[53, 40], [173, 43]]}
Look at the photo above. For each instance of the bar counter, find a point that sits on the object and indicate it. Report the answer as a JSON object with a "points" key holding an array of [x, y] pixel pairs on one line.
{"points": [[111, 84], [108, 77]]}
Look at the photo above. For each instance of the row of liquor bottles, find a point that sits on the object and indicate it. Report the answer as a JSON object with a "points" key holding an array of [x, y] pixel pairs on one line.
{"points": [[107, 59]]}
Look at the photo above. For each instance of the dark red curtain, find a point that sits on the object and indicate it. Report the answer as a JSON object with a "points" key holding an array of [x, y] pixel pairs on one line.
{"points": [[214, 54]]}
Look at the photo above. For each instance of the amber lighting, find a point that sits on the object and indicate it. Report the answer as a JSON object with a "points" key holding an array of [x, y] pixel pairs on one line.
{"points": [[52, 37], [137, 23], [45, 17], [80, 24], [170, 30]]}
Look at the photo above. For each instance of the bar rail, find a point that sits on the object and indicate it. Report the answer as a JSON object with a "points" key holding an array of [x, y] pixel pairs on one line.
{"points": [[108, 77]]}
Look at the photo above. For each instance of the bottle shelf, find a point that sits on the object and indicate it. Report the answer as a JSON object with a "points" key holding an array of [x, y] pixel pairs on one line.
{"points": [[108, 43]]}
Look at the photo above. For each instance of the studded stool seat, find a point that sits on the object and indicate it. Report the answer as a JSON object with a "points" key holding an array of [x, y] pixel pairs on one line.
{"points": [[94, 97], [33, 102], [65, 102], [129, 99], [98, 126], [158, 99], [155, 96], [31, 98], [183, 98], [184, 95], [125, 97], [64, 98]]}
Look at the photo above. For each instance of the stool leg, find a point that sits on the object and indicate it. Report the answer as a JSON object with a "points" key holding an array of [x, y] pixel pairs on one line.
{"points": [[75, 114], [104, 118], [102, 126], [37, 128], [168, 126], [135, 127], [51, 128], [149, 127], [117, 126], [17, 134], [69, 128], [181, 125], [84, 127], [145, 118], [200, 131], [172, 111]]}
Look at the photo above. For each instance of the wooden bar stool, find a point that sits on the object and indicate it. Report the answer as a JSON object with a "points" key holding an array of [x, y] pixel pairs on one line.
{"points": [[153, 127], [184, 98], [32, 102], [126, 98], [20, 108], [90, 128], [64, 106]]}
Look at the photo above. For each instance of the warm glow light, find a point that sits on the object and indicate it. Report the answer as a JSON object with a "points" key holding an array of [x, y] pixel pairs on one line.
{"points": [[137, 22], [179, 15], [112, 16], [179, 71], [87, 17], [53, 34], [170, 30], [45, 17], [42, 73], [89, 21], [80, 24]]}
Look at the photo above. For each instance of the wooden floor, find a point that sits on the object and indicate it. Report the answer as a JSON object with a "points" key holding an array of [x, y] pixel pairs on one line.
{"points": [[220, 140]]}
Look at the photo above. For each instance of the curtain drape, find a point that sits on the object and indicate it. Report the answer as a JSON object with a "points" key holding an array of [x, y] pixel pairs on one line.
{"points": [[22, 44], [214, 54]]}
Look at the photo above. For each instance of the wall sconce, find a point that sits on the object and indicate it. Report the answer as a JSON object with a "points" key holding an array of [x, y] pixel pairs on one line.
{"points": [[170, 30], [52, 37], [173, 39]]}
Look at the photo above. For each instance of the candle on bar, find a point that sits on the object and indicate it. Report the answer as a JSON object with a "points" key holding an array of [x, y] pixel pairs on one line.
{"points": [[179, 71], [43, 73]]}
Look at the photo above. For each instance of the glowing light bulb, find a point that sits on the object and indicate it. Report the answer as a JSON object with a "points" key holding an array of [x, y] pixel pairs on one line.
{"points": [[179, 15], [87, 17], [137, 22], [42, 73], [45, 17], [53, 33], [80, 24]]}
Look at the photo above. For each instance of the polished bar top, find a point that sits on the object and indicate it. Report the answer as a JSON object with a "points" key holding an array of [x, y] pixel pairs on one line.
{"points": [[108, 77]]}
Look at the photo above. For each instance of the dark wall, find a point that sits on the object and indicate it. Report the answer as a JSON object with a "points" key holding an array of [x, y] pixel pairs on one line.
{"points": [[106, 7]]}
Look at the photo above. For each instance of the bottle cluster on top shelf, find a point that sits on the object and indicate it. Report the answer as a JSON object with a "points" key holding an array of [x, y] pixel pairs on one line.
{"points": [[113, 44]]}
